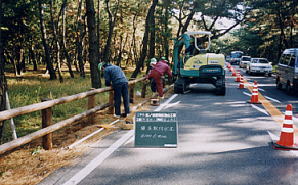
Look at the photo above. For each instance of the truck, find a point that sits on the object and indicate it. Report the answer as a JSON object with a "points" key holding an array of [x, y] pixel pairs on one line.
{"points": [[193, 64], [236, 57]]}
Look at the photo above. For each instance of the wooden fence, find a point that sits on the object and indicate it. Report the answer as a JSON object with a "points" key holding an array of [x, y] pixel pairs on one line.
{"points": [[46, 114]]}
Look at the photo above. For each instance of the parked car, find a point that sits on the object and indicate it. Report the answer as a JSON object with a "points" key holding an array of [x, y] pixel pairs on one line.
{"points": [[259, 66], [244, 61], [287, 71]]}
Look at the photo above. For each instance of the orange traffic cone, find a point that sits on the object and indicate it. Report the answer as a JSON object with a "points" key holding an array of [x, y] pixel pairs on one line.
{"points": [[255, 94], [229, 65], [233, 71], [241, 85], [286, 140], [238, 77]]}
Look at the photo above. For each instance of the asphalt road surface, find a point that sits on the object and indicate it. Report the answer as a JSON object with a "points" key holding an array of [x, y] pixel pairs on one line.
{"points": [[222, 140]]}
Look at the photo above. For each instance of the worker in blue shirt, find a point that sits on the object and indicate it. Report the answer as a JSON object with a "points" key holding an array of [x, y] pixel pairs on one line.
{"points": [[115, 77]]}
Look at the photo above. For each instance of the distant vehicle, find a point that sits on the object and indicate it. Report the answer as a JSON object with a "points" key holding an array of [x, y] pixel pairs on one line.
{"points": [[244, 61], [259, 66], [236, 57], [287, 71], [228, 58]]}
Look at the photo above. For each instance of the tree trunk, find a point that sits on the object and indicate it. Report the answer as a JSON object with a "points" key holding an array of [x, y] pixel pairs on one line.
{"points": [[65, 50], [48, 60], [93, 44], [98, 26], [167, 33], [187, 22], [112, 22], [134, 45], [3, 84], [20, 56], [33, 57], [56, 43], [142, 58], [11, 61], [80, 34], [152, 35], [180, 18], [121, 49]]}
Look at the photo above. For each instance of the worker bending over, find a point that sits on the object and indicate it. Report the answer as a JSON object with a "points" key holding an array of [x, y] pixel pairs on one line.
{"points": [[114, 76], [159, 70]]}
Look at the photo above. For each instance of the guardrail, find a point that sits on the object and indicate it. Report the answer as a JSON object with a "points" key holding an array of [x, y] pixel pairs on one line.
{"points": [[46, 114]]}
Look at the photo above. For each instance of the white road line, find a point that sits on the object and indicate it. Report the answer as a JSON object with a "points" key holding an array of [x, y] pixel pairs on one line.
{"points": [[260, 89], [246, 93], [260, 109], [188, 91], [172, 104], [272, 99], [272, 136], [166, 102], [90, 135], [78, 177]]}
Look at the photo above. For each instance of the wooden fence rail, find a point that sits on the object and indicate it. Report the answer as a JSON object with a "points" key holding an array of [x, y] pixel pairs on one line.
{"points": [[46, 108], [7, 114]]}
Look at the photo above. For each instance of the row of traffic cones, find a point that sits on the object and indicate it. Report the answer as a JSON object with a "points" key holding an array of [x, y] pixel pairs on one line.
{"points": [[286, 140], [239, 78]]}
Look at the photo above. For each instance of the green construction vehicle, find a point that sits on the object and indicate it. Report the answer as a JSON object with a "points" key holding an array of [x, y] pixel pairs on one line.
{"points": [[192, 63]]}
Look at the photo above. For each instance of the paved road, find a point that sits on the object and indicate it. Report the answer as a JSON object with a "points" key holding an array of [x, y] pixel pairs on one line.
{"points": [[222, 140]]}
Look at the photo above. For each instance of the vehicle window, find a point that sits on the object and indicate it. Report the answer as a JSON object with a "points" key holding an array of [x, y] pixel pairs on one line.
{"points": [[283, 59], [292, 61], [246, 58], [263, 61], [236, 54], [254, 61]]}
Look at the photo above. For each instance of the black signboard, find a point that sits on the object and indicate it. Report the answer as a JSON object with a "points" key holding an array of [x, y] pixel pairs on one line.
{"points": [[156, 129]]}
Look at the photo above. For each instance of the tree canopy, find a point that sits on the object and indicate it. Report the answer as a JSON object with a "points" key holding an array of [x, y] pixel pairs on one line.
{"points": [[55, 33]]}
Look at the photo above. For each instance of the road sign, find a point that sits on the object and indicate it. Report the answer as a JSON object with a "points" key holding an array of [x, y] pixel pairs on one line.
{"points": [[156, 129]]}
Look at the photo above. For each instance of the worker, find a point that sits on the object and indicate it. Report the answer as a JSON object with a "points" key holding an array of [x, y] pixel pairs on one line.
{"points": [[159, 70], [153, 62], [164, 59], [115, 77]]}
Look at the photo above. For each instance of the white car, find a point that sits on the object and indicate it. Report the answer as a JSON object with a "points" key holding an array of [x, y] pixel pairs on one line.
{"points": [[244, 61], [260, 66]]}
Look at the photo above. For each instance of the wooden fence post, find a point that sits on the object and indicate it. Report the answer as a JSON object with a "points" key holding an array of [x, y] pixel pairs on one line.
{"points": [[111, 102], [143, 93], [131, 93], [91, 104], [47, 121]]}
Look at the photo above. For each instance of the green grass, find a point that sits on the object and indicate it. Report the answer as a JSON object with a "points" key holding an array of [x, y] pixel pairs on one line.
{"points": [[32, 88]]}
